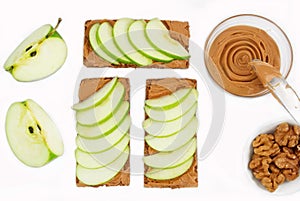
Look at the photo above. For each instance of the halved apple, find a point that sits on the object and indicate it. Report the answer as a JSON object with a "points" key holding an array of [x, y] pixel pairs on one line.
{"points": [[137, 37], [31, 134], [105, 37], [41, 54], [97, 97], [104, 174], [120, 35], [160, 38], [98, 47], [175, 141], [163, 129], [103, 111], [172, 159], [175, 112], [169, 173], [109, 125], [97, 160], [169, 101]]}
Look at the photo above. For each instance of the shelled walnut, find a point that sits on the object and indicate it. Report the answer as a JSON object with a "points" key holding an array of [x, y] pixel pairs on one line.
{"points": [[276, 156]]}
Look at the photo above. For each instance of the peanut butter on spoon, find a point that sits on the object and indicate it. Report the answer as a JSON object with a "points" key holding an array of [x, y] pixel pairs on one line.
{"points": [[272, 79], [264, 71]]}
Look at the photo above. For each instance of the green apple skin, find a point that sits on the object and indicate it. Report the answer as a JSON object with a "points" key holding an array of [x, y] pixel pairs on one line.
{"points": [[172, 159], [169, 101], [138, 39], [159, 36], [32, 135], [175, 141], [169, 173], [40, 55], [122, 41], [175, 112], [104, 174], [97, 97], [98, 47], [104, 36]]}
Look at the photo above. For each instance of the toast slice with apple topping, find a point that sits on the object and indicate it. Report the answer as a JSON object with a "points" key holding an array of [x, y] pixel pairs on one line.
{"points": [[129, 43], [170, 133], [103, 148]]}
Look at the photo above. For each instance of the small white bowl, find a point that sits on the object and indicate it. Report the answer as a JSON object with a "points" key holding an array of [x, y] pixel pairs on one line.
{"points": [[283, 189]]}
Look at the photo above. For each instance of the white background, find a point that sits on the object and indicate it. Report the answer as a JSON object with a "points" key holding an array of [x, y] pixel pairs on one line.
{"points": [[222, 175]]}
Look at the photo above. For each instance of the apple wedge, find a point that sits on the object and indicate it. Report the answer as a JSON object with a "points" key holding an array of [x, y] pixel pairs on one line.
{"points": [[101, 159], [163, 129], [170, 173], [169, 101], [175, 112], [31, 134], [138, 39], [105, 37], [104, 174], [160, 38], [98, 47], [41, 54], [97, 97], [103, 111], [120, 35], [172, 159], [175, 141], [109, 125]]}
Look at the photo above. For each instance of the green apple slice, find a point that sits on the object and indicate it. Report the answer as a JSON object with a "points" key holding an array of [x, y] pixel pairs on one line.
{"points": [[120, 30], [41, 54], [99, 144], [106, 127], [102, 175], [170, 173], [174, 141], [105, 37], [97, 47], [102, 111], [160, 38], [169, 101], [172, 159], [138, 39], [175, 112], [97, 97], [101, 159], [32, 135], [163, 129]]}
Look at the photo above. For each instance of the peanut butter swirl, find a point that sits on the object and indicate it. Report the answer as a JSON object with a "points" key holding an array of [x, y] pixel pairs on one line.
{"points": [[230, 53]]}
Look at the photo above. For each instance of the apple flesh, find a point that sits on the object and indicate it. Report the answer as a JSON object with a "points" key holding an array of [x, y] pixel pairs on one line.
{"points": [[175, 112], [101, 159], [160, 38], [105, 37], [175, 141], [172, 159], [120, 30], [103, 111], [97, 97], [98, 47], [163, 129], [102, 143], [138, 39], [107, 126], [32, 135], [41, 54], [169, 173], [168, 101], [104, 174]]}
